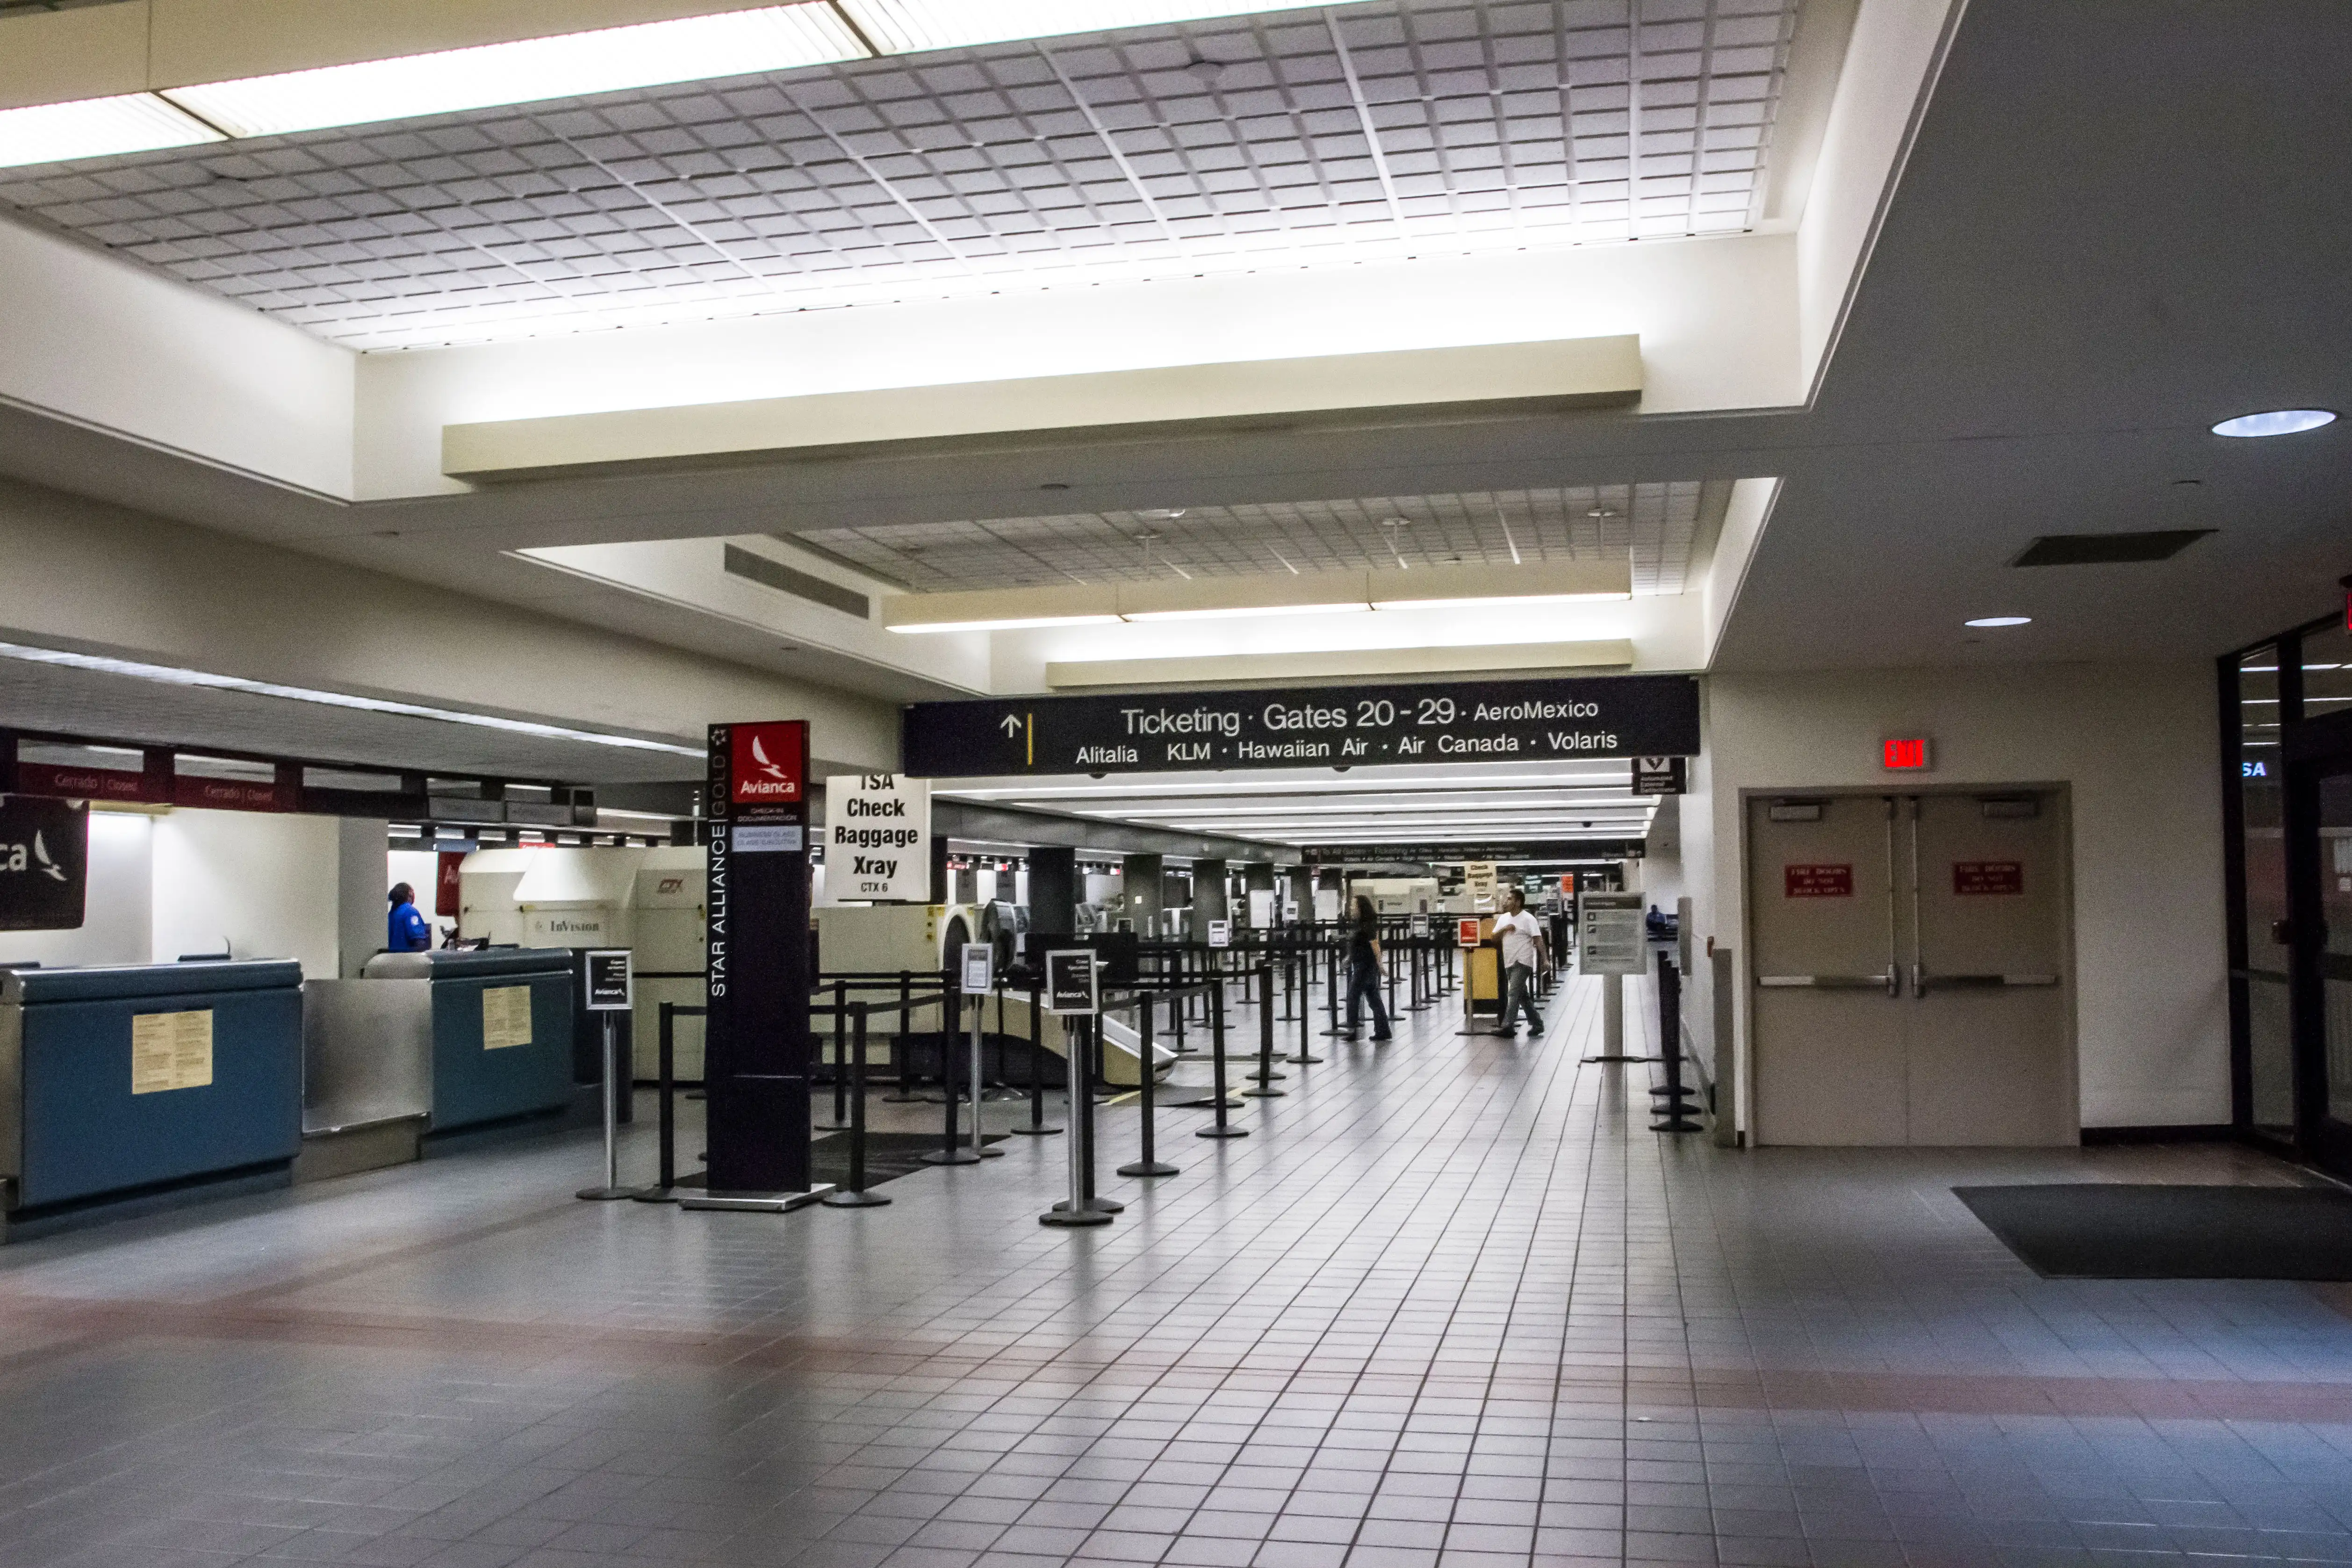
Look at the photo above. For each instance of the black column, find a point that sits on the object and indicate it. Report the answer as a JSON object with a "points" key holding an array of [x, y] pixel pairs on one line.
{"points": [[1054, 890], [756, 1034]]}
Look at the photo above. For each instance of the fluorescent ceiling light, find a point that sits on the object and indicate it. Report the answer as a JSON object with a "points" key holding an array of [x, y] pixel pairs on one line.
{"points": [[1228, 612], [2277, 422], [1011, 625], [651, 54], [172, 675], [905, 27], [1497, 600], [95, 128], [1999, 621]]}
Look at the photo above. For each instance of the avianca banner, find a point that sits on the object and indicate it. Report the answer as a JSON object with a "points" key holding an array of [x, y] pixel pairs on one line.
{"points": [[771, 764], [44, 859]]}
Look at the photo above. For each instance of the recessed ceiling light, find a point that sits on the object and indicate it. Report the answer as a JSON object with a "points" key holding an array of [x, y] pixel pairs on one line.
{"points": [[2277, 422], [1999, 621]]}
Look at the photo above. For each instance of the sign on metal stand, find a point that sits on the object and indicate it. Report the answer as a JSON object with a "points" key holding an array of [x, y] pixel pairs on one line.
{"points": [[1221, 933], [610, 990], [1073, 992], [979, 974], [1609, 943]]}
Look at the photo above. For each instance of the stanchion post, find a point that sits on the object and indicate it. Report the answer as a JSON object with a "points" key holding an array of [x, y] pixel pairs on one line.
{"points": [[1305, 1059], [1037, 1128], [979, 1046], [840, 1055], [950, 1016], [905, 1093], [855, 1196], [1265, 1075], [1080, 1208], [612, 1187], [1330, 993], [1150, 1164], [1673, 1096], [1217, 1054], [666, 1087]]}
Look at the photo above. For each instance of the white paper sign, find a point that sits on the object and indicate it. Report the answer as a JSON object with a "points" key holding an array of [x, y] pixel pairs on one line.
{"points": [[877, 839], [978, 967], [1221, 933]]}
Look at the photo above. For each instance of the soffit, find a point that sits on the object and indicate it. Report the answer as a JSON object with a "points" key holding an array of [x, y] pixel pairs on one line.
{"points": [[1402, 127]]}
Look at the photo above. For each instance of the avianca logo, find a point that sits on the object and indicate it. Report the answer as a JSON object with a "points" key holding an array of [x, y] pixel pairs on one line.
{"points": [[14, 857], [760, 775]]}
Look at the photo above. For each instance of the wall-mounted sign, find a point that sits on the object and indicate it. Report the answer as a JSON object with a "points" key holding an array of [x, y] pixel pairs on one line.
{"points": [[1660, 775], [1817, 882], [770, 764], [44, 857], [1983, 878], [1480, 881], [610, 988], [1331, 726], [1070, 982], [878, 839], [1913, 754]]}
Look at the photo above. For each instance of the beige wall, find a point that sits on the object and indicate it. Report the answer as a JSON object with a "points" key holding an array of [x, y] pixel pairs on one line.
{"points": [[2136, 748], [88, 576]]}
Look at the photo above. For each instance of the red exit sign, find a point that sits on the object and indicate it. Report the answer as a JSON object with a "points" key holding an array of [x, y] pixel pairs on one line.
{"points": [[1906, 756]]}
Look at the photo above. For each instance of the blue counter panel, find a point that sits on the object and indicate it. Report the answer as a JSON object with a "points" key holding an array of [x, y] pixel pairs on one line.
{"points": [[86, 1133], [472, 1084]]}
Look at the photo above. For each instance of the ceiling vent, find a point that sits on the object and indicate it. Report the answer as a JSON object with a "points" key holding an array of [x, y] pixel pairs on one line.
{"points": [[2108, 549], [742, 562]]}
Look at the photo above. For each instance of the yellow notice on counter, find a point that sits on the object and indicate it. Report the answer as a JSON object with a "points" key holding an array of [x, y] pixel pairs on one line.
{"points": [[506, 1016], [171, 1050]]}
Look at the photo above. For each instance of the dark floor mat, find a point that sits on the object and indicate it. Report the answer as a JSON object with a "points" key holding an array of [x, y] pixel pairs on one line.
{"points": [[888, 1156], [2096, 1230]]}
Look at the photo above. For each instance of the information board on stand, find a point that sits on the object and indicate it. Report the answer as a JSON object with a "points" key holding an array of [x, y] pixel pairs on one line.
{"points": [[1609, 937]]}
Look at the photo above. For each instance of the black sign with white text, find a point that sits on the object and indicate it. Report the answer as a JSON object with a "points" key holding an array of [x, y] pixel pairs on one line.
{"points": [[609, 989], [1660, 775], [1316, 726], [1070, 982], [44, 858]]}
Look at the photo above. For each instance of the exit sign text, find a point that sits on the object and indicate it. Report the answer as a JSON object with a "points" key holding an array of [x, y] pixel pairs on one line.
{"points": [[1906, 756]]}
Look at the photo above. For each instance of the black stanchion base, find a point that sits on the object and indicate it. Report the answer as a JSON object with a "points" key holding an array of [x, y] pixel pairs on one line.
{"points": [[1151, 1168], [1265, 1077], [605, 1195], [1677, 1125], [1223, 1132], [950, 1157], [656, 1194], [986, 1153], [845, 1200], [1061, 1218], [1096, 1204], [1620, 1059], [1264, 1093], [1301, 1060], [1208, 1104], [1038, 1131], [830, 1126]]}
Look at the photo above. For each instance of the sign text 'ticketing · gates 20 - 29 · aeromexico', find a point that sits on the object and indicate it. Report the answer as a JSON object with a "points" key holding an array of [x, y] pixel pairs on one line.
{"points": [[1333, 726]]}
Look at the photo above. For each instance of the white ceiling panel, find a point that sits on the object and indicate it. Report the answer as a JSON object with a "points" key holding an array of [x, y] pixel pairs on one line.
{"points": [[1396, 127], [1656, 526]]}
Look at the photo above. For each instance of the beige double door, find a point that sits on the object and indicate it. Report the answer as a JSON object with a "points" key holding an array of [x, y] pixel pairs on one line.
{"points": [[1911, 969]]}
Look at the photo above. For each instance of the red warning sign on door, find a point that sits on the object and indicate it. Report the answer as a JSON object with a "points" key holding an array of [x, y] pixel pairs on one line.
{"points": [[1977, 879], [1817, 882]]}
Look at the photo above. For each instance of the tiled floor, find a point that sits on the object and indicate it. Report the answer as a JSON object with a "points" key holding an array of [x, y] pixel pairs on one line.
{"points": [[1451, 1303]]}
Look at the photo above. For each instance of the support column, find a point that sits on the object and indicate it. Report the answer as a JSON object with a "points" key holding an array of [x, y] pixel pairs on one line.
{"points": [[1139, 892], [1257, 877], [1209, 900], [1054, 890]]}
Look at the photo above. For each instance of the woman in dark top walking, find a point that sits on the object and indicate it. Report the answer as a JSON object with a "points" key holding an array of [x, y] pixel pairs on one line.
{"points": [[1366, 970]]}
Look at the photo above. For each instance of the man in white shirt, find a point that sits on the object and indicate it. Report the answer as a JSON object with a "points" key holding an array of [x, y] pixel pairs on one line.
{"points": [[1524, 947]]}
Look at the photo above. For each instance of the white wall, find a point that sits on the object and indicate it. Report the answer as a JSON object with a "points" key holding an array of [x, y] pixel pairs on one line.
{"points": [[2138, 748], [267, 883], [117, 908], [108, 343]]}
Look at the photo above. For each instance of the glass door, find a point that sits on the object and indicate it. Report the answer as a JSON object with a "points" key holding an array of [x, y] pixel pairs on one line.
{"points": [[2322, 948]]}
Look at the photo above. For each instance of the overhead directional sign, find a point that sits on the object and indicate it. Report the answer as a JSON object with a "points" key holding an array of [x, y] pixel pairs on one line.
{"points": [[1441, 852], [1316, 726]]}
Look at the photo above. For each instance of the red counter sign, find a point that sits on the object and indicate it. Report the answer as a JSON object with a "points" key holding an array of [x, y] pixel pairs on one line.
{"points": [[771, 764], [1817, 882], [1978, 879], [1465, 933]]}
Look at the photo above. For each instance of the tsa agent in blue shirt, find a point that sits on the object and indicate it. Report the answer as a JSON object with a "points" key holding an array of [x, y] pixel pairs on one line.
{"points": [[407, 931]]}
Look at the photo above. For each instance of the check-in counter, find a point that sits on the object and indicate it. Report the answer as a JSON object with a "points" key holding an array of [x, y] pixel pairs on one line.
{"points": [[460, 1039], [122, 1080]]}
